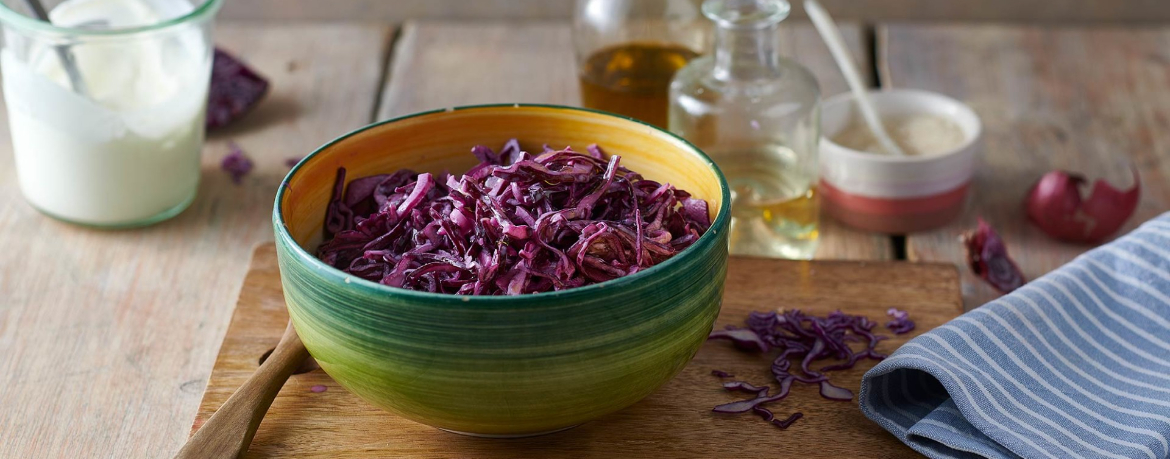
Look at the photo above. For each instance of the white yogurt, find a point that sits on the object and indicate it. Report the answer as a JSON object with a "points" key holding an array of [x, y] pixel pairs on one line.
{"points": [[129, 151]]}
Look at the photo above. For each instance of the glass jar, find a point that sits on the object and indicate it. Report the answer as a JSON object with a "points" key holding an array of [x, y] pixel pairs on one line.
{"points": [[106, 106], [758, 116], [628, 50]]}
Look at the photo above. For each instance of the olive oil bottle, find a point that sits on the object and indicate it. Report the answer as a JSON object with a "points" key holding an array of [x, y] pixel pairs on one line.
{"points": [[633, 79], [628, 51]]}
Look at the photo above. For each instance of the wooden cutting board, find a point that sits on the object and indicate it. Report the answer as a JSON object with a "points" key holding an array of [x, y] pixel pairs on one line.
{"points": [[675, 421]]}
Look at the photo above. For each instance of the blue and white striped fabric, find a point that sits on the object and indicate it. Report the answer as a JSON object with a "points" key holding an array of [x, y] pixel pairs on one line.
{"points": [[1075, 364]]}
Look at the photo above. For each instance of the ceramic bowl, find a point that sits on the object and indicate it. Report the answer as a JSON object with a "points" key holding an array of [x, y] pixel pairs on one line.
{"points": [[501, 366], [892, 194]]}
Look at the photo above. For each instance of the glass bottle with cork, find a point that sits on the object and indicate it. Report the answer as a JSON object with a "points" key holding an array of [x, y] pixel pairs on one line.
{"points": [[628, 51], [758, 116]]}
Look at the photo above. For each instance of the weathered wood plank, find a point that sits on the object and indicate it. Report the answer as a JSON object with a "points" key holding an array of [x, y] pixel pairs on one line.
{"points": [[858, 10], [1092, 100], [108, 337], [445, 64]]}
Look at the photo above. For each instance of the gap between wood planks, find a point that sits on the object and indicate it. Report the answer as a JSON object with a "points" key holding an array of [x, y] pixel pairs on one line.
{"points": [[387, 60], [869, 32]]}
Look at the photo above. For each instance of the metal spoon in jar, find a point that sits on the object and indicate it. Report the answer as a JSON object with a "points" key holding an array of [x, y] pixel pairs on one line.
{"points": [[67, 61]]}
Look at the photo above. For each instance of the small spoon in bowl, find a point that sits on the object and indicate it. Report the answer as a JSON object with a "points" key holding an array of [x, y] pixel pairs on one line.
{"points": [[230, 430], [832, 36]]}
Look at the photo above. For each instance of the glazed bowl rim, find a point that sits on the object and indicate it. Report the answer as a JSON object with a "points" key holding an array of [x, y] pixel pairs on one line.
{"points": [[334, 275], [201, 12], [876, 94]]}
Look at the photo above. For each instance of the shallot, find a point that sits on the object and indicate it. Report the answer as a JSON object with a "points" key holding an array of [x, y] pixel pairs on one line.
{"points": [[1056, 206]]}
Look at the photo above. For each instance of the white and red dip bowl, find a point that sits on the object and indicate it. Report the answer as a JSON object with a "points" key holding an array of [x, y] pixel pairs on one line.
{"points": [[896, 194]]}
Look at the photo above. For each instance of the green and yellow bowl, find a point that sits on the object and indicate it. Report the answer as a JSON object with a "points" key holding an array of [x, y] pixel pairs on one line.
{"points": [[500, 366]]}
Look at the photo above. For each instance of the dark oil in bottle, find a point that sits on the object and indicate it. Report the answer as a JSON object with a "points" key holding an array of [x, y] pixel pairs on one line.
{"points": [[633, 79]]}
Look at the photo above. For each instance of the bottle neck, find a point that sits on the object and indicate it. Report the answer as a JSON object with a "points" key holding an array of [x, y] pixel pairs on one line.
{"points": [[746, 54]]}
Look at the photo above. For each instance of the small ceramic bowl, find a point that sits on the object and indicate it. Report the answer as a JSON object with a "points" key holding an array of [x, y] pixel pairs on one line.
{"points": [[891, 194], [501, 366]]}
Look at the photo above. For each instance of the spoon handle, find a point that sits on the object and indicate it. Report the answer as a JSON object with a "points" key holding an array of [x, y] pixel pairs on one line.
{"points": [[230, 430], [67, 61], [832, 36]]}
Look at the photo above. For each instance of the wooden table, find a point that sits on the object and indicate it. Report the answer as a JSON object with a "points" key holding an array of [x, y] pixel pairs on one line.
{"points": [[1088, 99], [107, 338]]}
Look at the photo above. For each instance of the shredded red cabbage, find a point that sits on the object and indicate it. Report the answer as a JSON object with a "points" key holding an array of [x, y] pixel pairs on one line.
{"points": [[799, 336], [745, 387], [721, 374], [901, 322], [513, 224], [762, 397], [781, 423], [236, 164], [234, 90], [743, 338]]}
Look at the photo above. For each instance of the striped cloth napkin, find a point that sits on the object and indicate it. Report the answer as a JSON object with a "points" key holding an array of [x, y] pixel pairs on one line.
{"points": [[1075, 364]]}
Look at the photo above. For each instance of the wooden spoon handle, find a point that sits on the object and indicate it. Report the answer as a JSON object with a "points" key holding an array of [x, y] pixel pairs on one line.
{"points": [[230, 430]]}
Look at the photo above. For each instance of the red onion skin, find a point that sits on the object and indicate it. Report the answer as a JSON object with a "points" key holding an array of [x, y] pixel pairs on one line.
{"points": [[988, 258], [1056, 206]]}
